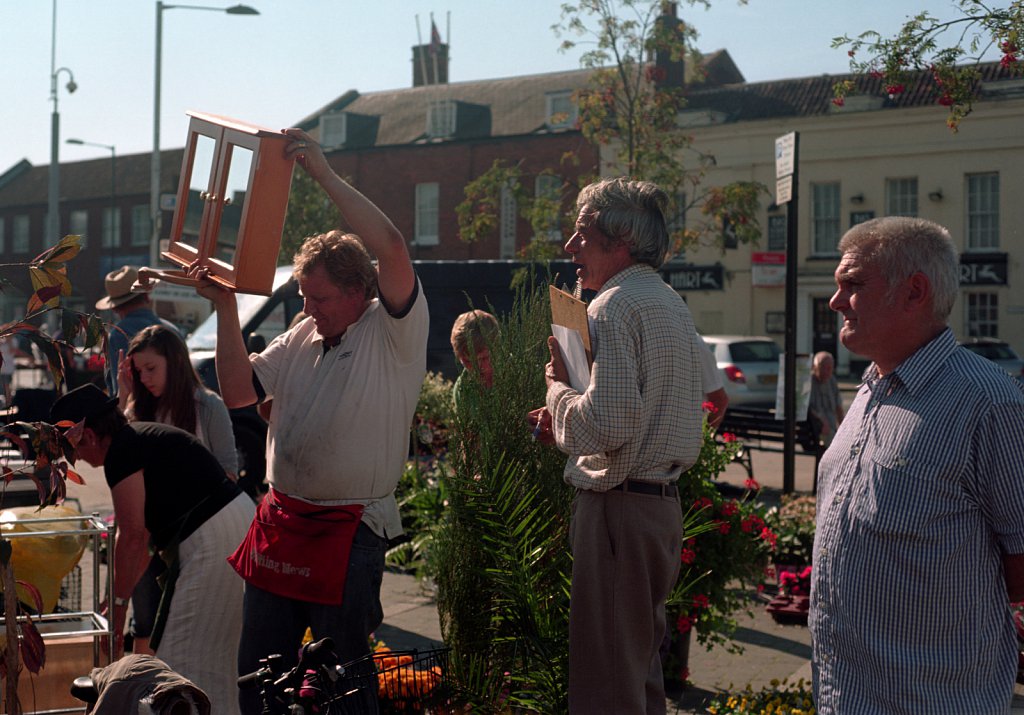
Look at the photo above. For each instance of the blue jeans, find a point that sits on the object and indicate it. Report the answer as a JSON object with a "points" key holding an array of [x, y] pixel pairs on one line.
{"points": [[275, 624]]}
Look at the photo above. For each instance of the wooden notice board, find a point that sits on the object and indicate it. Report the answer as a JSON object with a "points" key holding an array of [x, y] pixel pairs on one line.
{"points": [[571, 313]]}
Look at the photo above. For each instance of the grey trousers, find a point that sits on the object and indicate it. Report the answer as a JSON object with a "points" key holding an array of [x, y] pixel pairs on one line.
{"points": [[626, 549]]}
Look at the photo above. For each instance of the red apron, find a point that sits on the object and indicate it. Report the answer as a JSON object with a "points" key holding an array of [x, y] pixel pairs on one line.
{"points": [[298, 550]]}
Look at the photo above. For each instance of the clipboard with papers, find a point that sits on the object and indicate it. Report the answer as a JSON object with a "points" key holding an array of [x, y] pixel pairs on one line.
{"points": [[571, 327]]}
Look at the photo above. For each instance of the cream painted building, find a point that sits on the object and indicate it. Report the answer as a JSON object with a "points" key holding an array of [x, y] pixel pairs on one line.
{"points": [[872, 157]]}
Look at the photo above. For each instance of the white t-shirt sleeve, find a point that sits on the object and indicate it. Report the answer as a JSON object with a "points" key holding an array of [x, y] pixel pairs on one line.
{"points": [[710, 374]]}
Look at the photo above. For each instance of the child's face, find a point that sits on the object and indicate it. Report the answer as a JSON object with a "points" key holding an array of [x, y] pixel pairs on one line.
{"points": [[481, 365]]}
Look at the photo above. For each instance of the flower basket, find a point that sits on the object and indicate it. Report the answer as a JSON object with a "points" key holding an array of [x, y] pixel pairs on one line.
{"points": [[789, 610]]}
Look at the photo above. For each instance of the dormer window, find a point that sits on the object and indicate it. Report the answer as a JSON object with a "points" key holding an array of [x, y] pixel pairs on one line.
{"points": [[560, 110], [441, 118], [333, 129]]}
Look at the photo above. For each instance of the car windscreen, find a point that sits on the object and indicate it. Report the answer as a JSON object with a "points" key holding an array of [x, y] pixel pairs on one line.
{"points": [[205, 336], [754, 351]]}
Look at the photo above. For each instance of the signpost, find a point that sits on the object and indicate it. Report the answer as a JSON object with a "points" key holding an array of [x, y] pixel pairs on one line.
{"points": [[787, 164]]}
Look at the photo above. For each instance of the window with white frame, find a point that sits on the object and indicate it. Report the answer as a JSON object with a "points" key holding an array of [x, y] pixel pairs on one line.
{"points": [[441, 118], [983, 212], [427, 196], [825, 217], [19, 237], [142, 225], [332, 129], [507, 222], [901, 197], [560, 111], [982, 317], [548, 192], [78, 224], [111, 228]]}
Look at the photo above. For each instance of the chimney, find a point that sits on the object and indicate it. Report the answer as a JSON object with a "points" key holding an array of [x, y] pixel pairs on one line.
{"points": [[429, 64], [667, 72]]}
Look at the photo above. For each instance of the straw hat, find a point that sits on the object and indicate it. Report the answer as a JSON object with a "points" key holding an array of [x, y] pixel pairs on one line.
{"points": [[119, 288]]}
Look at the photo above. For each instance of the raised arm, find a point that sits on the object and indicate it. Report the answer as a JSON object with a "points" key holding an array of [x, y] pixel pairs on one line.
{"points": [[234, 371], [396, 279]]}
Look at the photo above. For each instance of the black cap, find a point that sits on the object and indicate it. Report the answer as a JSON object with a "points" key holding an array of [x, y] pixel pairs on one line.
{"points": [[82, 403]]}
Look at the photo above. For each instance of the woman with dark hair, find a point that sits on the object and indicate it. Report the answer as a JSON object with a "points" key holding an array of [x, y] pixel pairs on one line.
{"points": [[157, 383], [168, 491]]}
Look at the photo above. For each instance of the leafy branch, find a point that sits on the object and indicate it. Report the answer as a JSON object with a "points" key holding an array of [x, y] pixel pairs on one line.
{"points": [[950, 51]]}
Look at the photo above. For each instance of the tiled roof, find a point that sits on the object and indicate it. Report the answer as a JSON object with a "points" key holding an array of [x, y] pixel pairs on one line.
{"points": [[82, 180], [517, 104], [812, 96]]}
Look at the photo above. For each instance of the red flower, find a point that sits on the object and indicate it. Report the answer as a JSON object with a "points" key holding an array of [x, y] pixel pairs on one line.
{"points": [[685, 675], [893, 89], [688, 556], [728, 437], [684, 624], [730, 508], [700, 601], [839, 101], [723, 526], [708, 407], [769, 536], [702, 503], [752, 485], [946, 100]]}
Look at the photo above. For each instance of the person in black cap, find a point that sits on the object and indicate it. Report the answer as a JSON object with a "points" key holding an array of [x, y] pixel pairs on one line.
{"points": [[169, 490], [134, 312]]}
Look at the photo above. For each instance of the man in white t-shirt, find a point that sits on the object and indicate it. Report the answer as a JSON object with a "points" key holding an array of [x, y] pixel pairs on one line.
{"points": [[344, 384]]}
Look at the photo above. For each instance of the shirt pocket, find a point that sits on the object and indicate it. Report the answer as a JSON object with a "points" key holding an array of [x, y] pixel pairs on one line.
{"points": [[905, 494]]}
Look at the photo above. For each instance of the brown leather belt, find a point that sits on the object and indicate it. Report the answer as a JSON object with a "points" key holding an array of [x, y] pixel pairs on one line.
{"points": [[657, 489]]}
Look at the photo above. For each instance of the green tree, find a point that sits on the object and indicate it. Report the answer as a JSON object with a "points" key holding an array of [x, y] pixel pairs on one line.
{"points": [[630, 107], [948, 50], [310, 211]]}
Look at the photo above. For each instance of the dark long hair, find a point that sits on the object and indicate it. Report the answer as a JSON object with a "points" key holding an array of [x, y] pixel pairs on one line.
{"points": [[179, 399]]}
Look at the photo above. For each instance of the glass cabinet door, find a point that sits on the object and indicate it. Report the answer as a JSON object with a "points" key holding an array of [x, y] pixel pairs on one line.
{"points": [[203, 151], [237, 165]]}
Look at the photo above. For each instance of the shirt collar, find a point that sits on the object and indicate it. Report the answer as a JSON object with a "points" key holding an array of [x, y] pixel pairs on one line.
{"points": [[624, 275], [374, 304], [917, 370]]}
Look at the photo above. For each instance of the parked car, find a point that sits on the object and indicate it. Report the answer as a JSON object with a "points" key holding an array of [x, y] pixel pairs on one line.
{"points": [[750, 368], [998, 352]]}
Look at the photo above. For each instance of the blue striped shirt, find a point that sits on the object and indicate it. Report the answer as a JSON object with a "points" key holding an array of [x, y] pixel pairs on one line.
{"points": [[920, 494]]}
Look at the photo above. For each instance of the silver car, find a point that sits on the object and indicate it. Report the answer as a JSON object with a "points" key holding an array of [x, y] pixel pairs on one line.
{"points": [[749, 366], [998, 352]]}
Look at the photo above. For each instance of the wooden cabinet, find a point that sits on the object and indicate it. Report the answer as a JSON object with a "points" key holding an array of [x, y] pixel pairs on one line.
{"points": [[232, 199]]}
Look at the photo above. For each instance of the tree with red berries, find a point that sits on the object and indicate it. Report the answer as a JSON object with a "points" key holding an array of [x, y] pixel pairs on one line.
{"points": [[949, 51], [630, 107]]}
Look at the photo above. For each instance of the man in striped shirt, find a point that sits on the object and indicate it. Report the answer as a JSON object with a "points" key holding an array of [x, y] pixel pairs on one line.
{"points": [[629, 435], [920, 537]]}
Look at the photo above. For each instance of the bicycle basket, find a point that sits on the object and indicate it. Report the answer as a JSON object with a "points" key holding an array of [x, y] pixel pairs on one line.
{"points": [[403, 680]]}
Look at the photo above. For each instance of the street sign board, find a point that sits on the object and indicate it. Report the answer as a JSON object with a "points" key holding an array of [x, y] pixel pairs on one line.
{"points": [[785, 154], [784, 190]]}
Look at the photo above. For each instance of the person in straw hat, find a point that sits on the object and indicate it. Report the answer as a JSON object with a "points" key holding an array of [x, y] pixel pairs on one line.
{"points": [[134, 312]]}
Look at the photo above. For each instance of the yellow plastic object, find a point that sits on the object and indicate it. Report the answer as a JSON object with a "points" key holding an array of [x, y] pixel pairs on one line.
{"points": [[42, 561]]}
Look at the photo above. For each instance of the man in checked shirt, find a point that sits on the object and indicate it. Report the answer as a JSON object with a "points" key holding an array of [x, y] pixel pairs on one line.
{"points": [[920, 537], [629, 435]]}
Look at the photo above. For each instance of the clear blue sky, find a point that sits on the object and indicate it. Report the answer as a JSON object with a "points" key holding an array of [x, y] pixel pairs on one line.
{"points": [[297, 55]]}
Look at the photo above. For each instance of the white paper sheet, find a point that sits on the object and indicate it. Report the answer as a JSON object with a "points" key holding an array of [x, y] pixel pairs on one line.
{"points": [[574, 355]]}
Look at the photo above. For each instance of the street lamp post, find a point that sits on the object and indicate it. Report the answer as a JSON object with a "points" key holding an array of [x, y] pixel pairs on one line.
{"points": [[53, 193], [113, 189], [154, 167]]}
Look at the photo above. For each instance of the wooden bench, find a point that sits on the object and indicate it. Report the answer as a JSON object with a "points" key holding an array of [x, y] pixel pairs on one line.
{"points": [[758, 429]]}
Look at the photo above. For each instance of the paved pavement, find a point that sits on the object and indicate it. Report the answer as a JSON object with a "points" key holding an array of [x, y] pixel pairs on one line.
{"points": [[771, 651]]}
